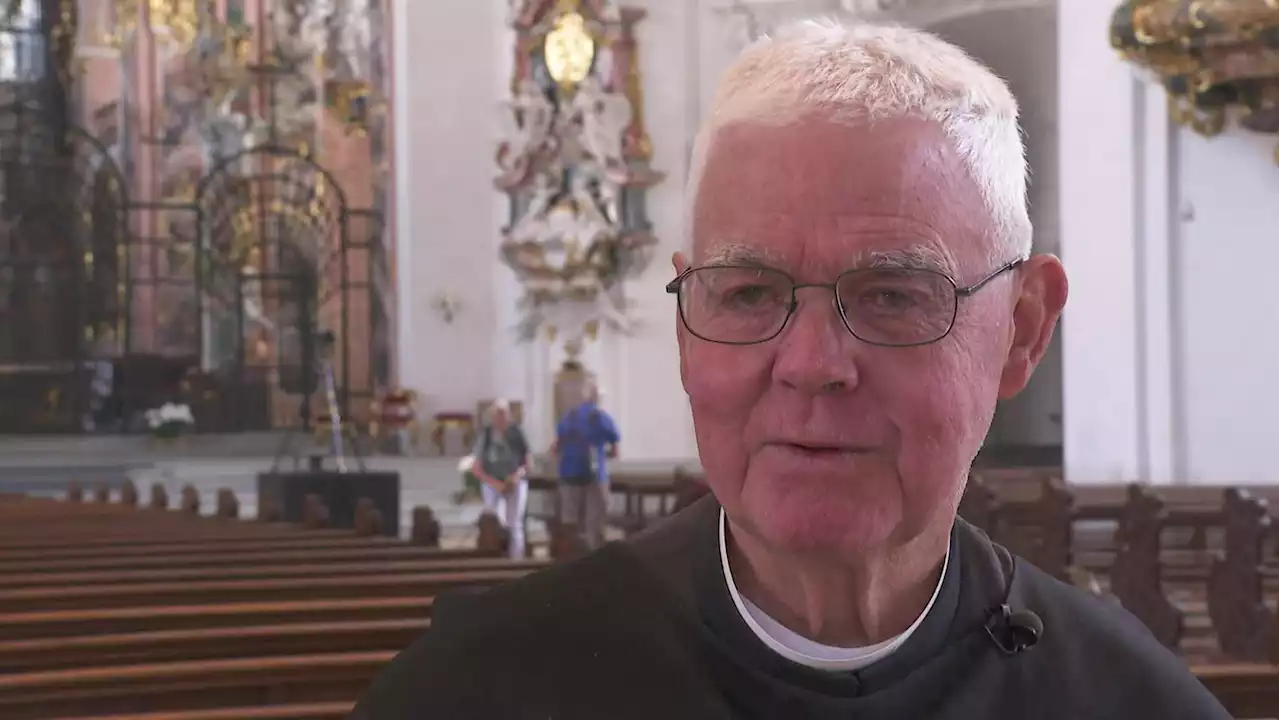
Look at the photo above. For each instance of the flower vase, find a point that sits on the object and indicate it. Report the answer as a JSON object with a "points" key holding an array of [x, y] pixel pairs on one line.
{"points": [[167, 435]]}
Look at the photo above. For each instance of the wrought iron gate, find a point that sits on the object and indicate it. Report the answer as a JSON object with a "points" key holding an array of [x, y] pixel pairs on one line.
{"points": [[284, 289], [63, 270]]}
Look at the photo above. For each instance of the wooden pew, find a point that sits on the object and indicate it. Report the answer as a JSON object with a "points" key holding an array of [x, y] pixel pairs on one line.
{"points": [[114, 621], [130, 526], [185, 685], [355, 567], [1153, 558], [1167, 585], [1247, 628], [76, 530], [301, 711], [207, 643], [281, 629], [59, 597], [1058, 527], [1136, 578], [179, 546], [252, 556], [1246, 690]]}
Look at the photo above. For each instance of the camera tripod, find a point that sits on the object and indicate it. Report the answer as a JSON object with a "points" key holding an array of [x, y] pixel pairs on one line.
{"points": [[324, 374]]}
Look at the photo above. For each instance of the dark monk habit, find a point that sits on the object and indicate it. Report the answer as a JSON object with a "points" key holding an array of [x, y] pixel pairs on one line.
{"points": [[647, 629]]}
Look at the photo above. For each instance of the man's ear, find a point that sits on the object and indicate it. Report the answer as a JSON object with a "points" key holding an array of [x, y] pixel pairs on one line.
{"points": [[680, 263], [1042, 294]]}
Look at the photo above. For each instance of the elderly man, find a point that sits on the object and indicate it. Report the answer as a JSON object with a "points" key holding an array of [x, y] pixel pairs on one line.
{"points": [[859, 294]]}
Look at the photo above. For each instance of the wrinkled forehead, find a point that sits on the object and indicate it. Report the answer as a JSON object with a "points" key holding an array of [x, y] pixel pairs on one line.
{"points": [[825, 195], [900, 254]]}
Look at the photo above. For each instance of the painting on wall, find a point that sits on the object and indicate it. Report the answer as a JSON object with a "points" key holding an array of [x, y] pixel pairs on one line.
{"points": [[575, 162], [247, 146]]}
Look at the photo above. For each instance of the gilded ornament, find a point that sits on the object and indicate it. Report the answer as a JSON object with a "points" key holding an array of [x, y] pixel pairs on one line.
{"points": [[1217, 59], [569, 50], [178, 20], [351, 101]]}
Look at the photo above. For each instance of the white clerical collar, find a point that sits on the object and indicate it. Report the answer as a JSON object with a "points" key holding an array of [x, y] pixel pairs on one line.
{"points": [[802, 650]]}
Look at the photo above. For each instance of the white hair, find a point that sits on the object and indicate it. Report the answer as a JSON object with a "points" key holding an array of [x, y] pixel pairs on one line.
{"points": [[868, 72], [498, 406]]}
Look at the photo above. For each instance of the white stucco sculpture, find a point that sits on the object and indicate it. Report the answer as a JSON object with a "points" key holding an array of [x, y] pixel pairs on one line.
{"points": [[604, 117], [527, 120]]}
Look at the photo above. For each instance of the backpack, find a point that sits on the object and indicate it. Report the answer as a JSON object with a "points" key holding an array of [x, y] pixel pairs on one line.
{"points": [[583, 432]]}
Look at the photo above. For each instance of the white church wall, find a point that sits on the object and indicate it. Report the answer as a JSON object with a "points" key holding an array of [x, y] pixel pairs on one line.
{"points": [[1115, 340], [1228, 353], [447, 85], [1170, 347]]}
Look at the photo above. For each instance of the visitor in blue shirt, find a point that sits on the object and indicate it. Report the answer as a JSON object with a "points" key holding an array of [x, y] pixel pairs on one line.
{"points": [[585, 438]]}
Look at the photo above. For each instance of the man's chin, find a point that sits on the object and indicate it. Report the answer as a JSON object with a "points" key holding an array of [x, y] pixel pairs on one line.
{"points": [[796, 522]]}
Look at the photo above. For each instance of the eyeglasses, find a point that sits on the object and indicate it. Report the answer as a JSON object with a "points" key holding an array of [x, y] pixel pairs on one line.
{"points": [[893, 307]]}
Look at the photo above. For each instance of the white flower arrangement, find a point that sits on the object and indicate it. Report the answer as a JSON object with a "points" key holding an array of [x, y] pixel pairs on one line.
{"points": [[470, 483], [169, 420]]}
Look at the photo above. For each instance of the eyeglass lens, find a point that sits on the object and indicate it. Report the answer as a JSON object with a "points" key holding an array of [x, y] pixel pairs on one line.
{"points": [[887, 306]]}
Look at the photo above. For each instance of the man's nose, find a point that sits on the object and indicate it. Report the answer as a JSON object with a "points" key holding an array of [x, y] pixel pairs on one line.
{"points": [[815, 351]]}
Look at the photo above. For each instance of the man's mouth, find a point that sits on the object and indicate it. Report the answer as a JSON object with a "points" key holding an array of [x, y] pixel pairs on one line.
{"points": [[818, 449]]}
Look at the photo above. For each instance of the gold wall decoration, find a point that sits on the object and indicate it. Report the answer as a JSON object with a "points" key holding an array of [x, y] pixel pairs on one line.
{"points": [[1216, 58], [569, 49], [352, 103], [179, 20]]}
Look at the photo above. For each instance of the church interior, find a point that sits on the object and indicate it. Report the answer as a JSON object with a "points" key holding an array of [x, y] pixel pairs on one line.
{"points": [[267, 267]]}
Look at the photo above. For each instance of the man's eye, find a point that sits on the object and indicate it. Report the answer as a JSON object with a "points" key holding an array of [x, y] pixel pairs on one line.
{"points": [[749, 295], [887, 299]]}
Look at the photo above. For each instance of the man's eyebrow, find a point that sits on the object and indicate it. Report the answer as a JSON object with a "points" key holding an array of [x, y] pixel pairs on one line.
{"points": [[913, 258], [737, 254], [919, 257]]}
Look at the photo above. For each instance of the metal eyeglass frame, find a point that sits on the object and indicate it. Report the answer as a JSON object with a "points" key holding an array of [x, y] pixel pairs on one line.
{"points": [[674, 288]]}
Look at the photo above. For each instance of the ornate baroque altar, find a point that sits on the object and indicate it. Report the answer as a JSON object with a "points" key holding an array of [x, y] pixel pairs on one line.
{"points": [[226, 172], [574, 161]]}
